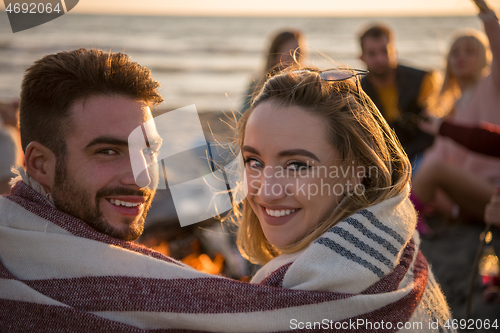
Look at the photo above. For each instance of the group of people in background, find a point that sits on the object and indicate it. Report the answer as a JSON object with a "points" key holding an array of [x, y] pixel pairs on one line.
{"points": [[449, 129], [407, 98]]}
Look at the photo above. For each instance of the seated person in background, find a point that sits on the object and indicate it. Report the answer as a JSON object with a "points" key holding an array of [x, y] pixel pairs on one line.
{"points": [[472, 192], [285, 48], [316, 215], [10, 145], [483, 138], [470, 96], [399, 92]]}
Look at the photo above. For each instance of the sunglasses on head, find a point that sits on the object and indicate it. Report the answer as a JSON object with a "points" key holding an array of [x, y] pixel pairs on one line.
{"points": [[333, 74]]}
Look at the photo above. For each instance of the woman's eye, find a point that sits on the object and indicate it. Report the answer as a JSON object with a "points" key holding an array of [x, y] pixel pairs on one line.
{"points": [[298, 166], [253, 163]]}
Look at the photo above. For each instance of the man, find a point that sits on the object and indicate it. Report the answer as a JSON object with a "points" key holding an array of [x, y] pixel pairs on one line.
{"points": [[399, 92], [74, 132], [66, 260]]}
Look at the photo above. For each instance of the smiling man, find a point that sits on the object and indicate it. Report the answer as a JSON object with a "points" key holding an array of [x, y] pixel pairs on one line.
{"points": [[94, 181], [77, 111]]}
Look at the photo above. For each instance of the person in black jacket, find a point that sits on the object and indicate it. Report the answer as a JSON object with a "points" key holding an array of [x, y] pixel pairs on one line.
{"points": [[399, 92]]}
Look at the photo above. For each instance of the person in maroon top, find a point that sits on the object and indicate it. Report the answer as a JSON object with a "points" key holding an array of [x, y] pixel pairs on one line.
{"points": [[473, 194], [483, 138]]}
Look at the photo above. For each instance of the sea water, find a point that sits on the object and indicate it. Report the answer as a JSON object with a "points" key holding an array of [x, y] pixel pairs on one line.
{"points": [[209, 61]]}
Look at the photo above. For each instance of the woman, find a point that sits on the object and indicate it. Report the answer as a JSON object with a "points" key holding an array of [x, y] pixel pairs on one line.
{"points": [[470, 94], [327, 203], [472, 76], [285, 48]]}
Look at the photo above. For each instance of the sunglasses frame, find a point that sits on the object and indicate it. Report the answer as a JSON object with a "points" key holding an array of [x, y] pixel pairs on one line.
{"points": [[349, 73]]}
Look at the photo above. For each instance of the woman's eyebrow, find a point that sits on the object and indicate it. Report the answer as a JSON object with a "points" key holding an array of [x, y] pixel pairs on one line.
{"points": [[295, 152], [289, 152], [250, 150]]}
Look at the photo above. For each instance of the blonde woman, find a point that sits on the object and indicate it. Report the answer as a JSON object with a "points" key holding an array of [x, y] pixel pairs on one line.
{"points": [[327, 205], [470, 96]]}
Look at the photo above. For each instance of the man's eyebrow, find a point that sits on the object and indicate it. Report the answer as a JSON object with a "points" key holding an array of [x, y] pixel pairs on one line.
{"points": [[107, 140], [290, 152]]}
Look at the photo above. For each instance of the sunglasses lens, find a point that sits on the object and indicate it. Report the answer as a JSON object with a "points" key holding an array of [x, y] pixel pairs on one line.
{"points": [[337, 75]]}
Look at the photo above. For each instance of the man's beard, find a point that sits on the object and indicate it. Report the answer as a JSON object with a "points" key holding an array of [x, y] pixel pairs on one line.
{"points": [[381, 74], [72, 198]]}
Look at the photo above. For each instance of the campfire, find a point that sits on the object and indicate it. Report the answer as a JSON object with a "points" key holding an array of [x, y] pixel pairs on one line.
{"points": [[196, 246]]}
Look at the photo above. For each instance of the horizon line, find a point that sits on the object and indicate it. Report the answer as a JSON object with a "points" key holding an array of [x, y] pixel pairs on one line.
{"points": [[282, 15]]}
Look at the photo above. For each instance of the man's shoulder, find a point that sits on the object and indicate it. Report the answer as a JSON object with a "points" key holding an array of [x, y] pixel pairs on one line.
{"points": [[366, 84], [406, 70]]}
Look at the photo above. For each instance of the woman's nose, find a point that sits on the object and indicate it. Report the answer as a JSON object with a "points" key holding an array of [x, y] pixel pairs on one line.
{"points": [[272, 186]]}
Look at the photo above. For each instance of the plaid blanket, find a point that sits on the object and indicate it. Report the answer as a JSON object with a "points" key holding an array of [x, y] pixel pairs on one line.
{"points": [[59, 275]]}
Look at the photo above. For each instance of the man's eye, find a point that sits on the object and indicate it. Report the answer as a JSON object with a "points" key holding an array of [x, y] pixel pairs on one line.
{"points": [[253, 163], [108, 152]]}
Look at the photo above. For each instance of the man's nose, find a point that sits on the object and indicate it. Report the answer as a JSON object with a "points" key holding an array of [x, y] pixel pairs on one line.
{"points": [[141, 170]]}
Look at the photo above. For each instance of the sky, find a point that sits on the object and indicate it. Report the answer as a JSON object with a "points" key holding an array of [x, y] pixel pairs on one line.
{"points": [[282, 7]]}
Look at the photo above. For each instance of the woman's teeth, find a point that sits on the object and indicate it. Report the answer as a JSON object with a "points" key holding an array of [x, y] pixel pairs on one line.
{"points": [[280, 213], [124, 203]]}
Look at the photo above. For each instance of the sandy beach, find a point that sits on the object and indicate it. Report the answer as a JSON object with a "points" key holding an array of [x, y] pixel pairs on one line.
{"points": [[451, 255]]}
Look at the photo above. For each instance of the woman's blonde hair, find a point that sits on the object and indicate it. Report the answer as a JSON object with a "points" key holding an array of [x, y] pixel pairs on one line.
{"points": [[355, 128], [450, 91]]}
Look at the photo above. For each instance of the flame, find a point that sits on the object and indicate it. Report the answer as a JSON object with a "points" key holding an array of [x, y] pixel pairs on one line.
{"points": [[196, 259], [204, 264], [162, 248]]}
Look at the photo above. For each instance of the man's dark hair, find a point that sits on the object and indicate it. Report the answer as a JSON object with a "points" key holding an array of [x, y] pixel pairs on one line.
{"points": [[376, 31], [55, 82]]}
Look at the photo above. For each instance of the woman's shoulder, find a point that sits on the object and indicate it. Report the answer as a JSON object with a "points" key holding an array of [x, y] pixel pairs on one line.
{"points": [[351, 256], [273, 266]]}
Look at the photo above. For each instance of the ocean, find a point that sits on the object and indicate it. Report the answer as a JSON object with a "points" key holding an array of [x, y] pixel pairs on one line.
{"points": [[209, 61]]}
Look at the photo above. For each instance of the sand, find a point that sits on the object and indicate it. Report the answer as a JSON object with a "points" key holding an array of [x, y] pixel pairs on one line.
{"points": [[451, 254]]}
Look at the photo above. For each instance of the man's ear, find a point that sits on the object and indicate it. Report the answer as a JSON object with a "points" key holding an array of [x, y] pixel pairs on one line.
{"points": [[40, 163]]}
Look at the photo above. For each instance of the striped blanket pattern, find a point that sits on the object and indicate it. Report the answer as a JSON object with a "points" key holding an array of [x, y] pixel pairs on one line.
{"points": [[59, 275]]}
